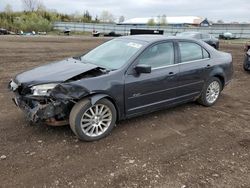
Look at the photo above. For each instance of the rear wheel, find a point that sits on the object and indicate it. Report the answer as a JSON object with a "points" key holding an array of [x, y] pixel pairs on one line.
{"points": [[211, 92], [92, 122], [246, 67]]}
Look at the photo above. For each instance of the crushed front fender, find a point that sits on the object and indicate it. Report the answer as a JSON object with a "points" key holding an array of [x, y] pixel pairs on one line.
{"points": [[69, 91]]}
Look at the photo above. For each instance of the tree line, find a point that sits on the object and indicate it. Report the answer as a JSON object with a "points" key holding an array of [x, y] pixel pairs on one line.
{"points": [[36, 17]]}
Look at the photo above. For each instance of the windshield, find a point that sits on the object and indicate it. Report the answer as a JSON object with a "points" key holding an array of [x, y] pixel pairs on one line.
{"points": [[113, 54]]}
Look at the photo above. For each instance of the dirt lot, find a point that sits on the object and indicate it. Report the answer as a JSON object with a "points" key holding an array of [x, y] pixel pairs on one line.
{"points": [[186, 146]]}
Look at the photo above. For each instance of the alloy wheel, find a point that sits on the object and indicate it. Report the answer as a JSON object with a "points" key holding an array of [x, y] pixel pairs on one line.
{"points": [[96, 120], [213, 92]]}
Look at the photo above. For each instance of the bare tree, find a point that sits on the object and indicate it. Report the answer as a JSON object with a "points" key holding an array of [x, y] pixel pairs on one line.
{"points": [[41, 7], [8, 9], [158, 19], [107, 17], [121, 19], [30, 5], [151, 22], [163, 20]]}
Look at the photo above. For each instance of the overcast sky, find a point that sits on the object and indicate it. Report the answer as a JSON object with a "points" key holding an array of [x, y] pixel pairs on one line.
{"points": [[227, 10]]}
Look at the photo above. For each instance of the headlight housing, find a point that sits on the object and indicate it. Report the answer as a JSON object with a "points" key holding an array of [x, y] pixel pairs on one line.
{"points": [[42, 90]]}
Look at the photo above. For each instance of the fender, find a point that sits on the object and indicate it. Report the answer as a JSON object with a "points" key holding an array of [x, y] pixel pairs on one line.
{"points": [[97, 97], [218, 72]]}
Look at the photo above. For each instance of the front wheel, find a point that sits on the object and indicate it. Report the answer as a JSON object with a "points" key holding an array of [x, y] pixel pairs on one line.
{"points": [[92, 122], [211, 92]]}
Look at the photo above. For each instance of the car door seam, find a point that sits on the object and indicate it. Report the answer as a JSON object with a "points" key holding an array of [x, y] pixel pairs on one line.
{"points": [[160, 91]]}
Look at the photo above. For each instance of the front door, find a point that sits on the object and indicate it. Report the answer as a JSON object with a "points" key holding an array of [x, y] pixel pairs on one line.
{"points": [[149, 91]]}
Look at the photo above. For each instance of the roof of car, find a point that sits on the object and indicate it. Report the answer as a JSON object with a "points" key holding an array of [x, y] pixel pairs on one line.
{"points": [[154, 38], [193, 32]]}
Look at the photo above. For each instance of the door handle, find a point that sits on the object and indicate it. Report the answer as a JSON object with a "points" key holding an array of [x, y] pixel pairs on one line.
{"points": [[208, 66], [171, 73]]}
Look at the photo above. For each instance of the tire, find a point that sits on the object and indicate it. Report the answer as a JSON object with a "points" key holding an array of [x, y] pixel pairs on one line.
{"points": [[203, 99], [246, 67], [90, 127]]}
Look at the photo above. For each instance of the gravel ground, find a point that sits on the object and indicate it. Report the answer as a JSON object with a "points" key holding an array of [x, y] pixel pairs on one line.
{"points": [[186, 146]]}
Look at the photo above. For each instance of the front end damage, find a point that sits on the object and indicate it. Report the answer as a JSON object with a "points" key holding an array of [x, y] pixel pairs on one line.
{"points": [[53, 104], [43, 109], [54, 109]]}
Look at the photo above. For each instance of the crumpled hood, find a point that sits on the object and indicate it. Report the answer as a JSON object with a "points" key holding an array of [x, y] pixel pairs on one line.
{"points": [[54, 72]]}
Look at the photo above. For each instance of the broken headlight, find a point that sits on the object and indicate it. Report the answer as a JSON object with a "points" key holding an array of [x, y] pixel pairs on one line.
{"points": [[13, 86], [42, 90]]}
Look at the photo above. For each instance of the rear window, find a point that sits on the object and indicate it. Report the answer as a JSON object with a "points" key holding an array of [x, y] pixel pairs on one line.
{"points": [[205, 36], [190, 34]]}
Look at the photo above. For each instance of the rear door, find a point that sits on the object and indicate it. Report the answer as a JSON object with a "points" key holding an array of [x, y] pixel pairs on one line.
{"points": [[147, 92], [194, 64]]}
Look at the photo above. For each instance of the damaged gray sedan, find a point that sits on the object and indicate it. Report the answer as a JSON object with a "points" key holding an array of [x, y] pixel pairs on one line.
{"points": [[122, 78]]}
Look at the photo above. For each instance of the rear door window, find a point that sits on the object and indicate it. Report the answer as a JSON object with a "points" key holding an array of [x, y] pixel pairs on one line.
{"points": [[190, 51], [205, 54]]}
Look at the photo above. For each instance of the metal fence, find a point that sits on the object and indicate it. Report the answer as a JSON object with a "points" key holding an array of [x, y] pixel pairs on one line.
{"points": [[240, 30]]}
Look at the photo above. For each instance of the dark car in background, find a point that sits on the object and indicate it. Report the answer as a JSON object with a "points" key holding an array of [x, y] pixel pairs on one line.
{"points": [[3, 31], [246, 64], [120, 79], [112, 34], [209, 39]]}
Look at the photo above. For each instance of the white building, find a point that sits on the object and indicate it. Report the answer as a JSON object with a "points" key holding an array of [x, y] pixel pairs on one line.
{"points": [[175, 20]]}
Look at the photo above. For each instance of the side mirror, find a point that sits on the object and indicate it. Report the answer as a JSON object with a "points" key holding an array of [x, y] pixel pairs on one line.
{"points": [[143, 68]]}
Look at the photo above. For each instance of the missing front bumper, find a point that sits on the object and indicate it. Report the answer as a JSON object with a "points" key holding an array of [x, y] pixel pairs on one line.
{"points": [[53, 112]]}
